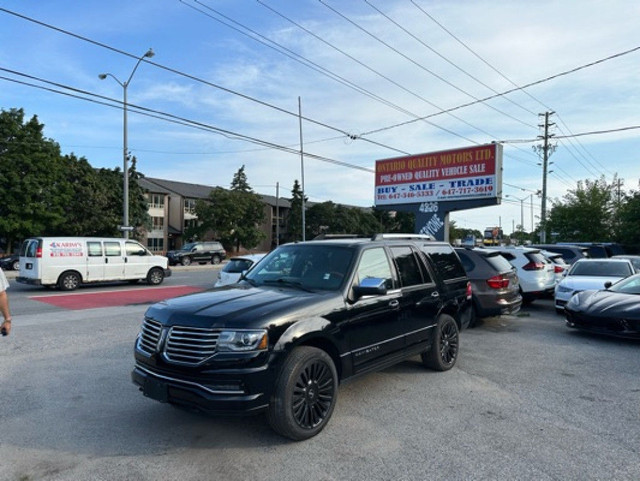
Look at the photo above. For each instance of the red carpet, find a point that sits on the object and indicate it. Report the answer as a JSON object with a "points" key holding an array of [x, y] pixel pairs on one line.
{"points": [[130, 296]]}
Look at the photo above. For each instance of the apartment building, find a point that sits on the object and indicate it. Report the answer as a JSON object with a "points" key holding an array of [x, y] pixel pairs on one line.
{"points": [[172, 210]]}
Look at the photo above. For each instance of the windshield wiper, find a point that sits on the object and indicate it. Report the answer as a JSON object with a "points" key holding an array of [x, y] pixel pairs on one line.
{"points": [[288, 282]]}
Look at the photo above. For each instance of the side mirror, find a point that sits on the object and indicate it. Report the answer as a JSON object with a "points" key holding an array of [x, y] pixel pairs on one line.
{"points": [[370, 286], [608, 284], [142, 252]]}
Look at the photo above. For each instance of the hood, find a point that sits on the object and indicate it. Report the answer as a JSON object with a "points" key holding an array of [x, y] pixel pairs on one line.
{"points": [[242, 306], [610, 304], [583, 283]]}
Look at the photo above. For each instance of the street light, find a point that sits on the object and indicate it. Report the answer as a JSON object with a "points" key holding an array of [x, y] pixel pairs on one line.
{"points": [[125, 157], [521, 208]]}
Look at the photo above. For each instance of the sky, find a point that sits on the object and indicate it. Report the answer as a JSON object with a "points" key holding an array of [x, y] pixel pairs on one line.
{"points": [[243, 82]]}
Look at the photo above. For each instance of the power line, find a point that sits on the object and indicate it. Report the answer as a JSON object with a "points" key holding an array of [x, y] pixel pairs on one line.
{"points": [[192, 77], [107, 101]]}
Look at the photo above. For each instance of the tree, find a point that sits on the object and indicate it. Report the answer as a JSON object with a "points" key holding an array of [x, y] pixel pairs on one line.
{"points": [[295, 213], [32, 179], [628, 221], [233, 215], [586, 214]]}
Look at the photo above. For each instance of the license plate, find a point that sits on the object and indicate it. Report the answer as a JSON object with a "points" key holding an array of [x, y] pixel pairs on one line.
{"points": [[155, 390]]}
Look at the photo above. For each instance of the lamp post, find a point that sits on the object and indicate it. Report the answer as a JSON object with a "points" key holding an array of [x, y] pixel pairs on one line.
{"points": [[521, 209], [125, 154]]}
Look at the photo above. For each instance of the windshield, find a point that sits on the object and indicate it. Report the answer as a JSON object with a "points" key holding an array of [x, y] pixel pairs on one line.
{"points": [[308, 266], [188, 247], [630, 285], [600, 269]]}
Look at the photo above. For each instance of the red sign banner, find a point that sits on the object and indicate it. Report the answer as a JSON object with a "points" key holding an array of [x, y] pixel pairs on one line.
{"points": [[460, 174]]}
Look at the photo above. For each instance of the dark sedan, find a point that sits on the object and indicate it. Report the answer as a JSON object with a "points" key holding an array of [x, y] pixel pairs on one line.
{"points": [[614, 311], [10, 263]]}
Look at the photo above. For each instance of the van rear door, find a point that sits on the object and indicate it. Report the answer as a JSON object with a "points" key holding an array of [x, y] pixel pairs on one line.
{"points": [[31, 259]]}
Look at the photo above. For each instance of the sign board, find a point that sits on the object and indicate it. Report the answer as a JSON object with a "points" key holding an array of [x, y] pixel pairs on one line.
{"points": [[449, 175], [125, 228]]}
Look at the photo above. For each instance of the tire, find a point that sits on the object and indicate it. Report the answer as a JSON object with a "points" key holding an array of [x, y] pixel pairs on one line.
{"points": [[185, 261], [305, 394], [15, 266], [216, 259], [446, 342], [69, 281], [155, 276]]}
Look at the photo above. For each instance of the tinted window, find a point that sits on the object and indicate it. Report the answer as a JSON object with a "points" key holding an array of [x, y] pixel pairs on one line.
{"points": [[94, 248], [237, 266], [604, 268], [630, 285], [374, 263], [499, 263], [445, 260], [408, 267]]}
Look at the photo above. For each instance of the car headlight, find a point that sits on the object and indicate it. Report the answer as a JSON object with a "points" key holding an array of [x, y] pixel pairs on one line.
{"points": [[573, 301], [562, 288], [242, 341]]}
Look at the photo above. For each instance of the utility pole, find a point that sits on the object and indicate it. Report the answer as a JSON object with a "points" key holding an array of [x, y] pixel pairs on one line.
{"points": [[547, 150]]}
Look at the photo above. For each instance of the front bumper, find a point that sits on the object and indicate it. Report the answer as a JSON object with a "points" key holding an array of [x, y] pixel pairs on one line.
{"points": [[235, 392]]}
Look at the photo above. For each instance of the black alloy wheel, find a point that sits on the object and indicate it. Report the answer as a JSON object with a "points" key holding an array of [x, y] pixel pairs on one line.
{"points": [[305, 394], [185, 261], [444, 352]]}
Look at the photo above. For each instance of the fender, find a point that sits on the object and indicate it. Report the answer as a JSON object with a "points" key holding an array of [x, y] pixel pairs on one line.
{"points": [[300, 330]]}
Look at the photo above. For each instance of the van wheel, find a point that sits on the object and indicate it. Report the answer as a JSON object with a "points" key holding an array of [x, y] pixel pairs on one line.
{"points": [[444, 351], [69, 281], [155, 276], [186, 261], [215, 259], [305, 394]]}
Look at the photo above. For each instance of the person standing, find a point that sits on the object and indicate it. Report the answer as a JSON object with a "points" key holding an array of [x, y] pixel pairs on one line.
{"points": [[4, 305]]}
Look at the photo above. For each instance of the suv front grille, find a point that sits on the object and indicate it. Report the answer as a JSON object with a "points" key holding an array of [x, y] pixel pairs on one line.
{"points": [[191, 345], [149, 336]]}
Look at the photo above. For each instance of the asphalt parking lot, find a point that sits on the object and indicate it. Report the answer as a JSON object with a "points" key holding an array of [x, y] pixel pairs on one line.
{"points": [[528, 399]]}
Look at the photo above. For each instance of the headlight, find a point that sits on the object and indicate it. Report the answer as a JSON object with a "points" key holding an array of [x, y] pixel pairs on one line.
{"points": [[562, 288], [573, 300], [241, 341]]}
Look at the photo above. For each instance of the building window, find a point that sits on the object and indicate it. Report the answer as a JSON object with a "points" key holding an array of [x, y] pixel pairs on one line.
{"points": [[155, 244], [190, 206], [158, 223], [190, 223], [156, 200]]}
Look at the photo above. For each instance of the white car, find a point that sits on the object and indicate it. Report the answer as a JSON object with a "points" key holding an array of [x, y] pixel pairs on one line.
{"points": [[560, 266], [238, 265], [536, 274], [590, 274]]}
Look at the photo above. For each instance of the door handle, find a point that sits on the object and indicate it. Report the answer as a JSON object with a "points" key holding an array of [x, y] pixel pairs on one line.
{"points": [[106, 260], [394, 304]]}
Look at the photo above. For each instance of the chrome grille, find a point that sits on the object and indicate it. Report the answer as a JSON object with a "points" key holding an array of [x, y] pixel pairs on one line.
{"points": [[149, 336], [191, 345]]}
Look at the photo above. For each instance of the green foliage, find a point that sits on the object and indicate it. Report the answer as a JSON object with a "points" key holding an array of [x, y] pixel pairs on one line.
{"points": [[585, 215], [331, 218], [45, 193], [295, 213], [233, 215]]}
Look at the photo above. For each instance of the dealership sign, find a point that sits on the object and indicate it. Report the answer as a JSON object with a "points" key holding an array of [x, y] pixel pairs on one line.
{"points": [[451, 175]]}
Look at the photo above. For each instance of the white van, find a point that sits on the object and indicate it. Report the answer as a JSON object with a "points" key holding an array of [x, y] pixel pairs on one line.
{"points": [[67, 262]]}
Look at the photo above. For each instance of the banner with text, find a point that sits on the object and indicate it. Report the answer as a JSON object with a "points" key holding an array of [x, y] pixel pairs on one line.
{"points": [[460, 174]]}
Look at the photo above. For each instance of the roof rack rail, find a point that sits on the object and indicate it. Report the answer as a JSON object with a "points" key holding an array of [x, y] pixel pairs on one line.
{"points": [[397, 236], [340, 236]]}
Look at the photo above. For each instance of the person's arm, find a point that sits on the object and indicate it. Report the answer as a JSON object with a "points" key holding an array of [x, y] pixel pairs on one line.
{"points": [[6, 313]]}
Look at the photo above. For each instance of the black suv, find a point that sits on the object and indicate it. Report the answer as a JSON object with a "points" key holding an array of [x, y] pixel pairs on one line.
{"points": [[201, 252], [309, 316]]}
